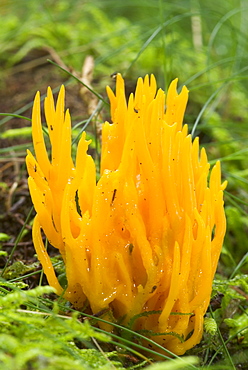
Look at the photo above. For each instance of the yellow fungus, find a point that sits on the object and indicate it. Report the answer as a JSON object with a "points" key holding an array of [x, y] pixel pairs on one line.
{"points": [[147, 236]]}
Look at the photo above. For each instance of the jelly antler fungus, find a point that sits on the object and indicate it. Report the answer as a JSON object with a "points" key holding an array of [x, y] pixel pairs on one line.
{"points": [[147, 236]]}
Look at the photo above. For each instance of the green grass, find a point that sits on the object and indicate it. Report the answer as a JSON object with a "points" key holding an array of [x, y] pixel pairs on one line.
{"points": [[205, 45]]}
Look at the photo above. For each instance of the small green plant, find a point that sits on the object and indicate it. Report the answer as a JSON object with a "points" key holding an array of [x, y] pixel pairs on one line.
{"points": [[32, 334]]}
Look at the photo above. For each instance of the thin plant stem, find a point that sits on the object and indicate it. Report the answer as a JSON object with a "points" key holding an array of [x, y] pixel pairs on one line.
{"points": [[17, 240]]}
